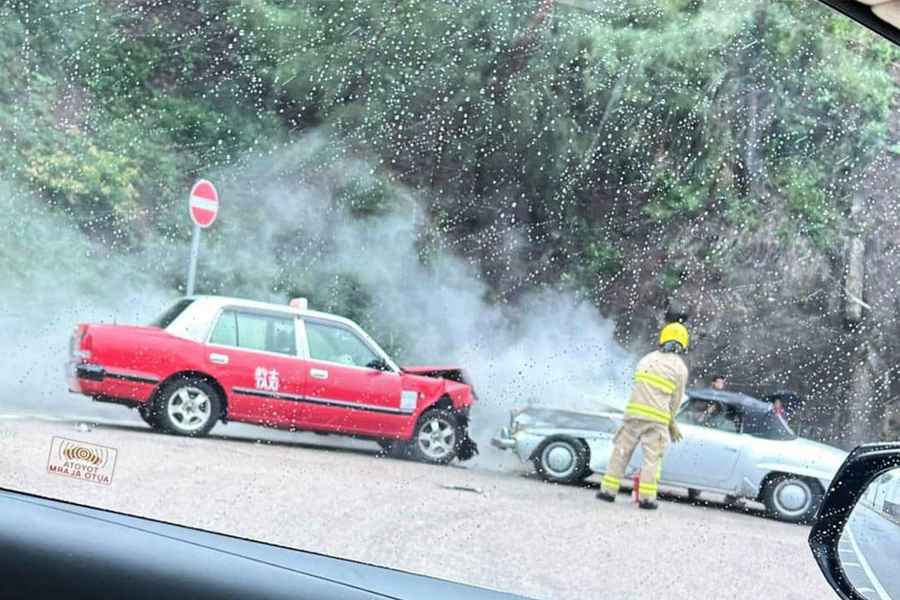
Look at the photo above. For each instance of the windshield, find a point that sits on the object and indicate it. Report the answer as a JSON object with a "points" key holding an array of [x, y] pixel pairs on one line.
{"points": [[171, 313], [587, 207], [767, 425]]}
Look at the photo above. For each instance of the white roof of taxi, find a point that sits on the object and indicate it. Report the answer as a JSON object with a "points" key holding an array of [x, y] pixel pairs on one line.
{"points": [[223, 301]]}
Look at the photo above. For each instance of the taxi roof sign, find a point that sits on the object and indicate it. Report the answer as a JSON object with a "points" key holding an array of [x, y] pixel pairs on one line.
{"points": [[299, 303]]}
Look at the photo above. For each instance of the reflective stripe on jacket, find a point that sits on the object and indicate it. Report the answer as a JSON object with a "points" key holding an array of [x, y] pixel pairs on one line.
{"points": [[659, 383]]}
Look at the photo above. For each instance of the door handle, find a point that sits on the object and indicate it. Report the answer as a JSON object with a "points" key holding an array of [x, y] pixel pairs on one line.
{"points": [[730, 449], [318, 373], [221, 359]]}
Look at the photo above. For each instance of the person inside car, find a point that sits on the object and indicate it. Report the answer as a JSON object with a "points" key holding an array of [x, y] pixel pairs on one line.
{"points": [[712, 416]]}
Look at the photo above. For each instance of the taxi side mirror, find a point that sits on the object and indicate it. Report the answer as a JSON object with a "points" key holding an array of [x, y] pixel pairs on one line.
{"points": [[379, 364], [857, 525]]}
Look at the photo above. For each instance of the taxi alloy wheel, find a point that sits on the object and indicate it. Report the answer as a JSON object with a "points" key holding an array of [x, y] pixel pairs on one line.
{"points": [[436, 437], [188, 406]]}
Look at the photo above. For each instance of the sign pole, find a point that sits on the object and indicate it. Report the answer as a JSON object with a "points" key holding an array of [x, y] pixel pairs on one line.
{"points": [[203, 204], [192, 266]]}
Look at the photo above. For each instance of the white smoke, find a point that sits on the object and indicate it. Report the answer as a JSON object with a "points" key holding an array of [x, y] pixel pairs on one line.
{"points": [[51, 278], [547, 348], [274, 228]]}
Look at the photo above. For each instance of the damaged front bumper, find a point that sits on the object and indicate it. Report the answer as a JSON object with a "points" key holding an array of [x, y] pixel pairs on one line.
{"points": [[467, 449]]}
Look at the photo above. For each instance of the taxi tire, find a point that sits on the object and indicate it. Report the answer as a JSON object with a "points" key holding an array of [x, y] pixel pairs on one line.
{"points": [[166, 392], [428, 416], [148, 415], [396, 449]]}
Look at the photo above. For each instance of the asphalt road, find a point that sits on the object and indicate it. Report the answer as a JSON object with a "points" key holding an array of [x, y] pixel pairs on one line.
{"points": [[491, 527], [870, 551]]}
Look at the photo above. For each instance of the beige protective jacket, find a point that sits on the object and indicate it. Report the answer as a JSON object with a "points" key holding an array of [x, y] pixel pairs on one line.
{"points": [[659, 382]]}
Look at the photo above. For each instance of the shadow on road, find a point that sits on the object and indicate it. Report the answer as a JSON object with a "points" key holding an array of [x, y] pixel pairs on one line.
{"points": [[709, 501], [258, 435]]}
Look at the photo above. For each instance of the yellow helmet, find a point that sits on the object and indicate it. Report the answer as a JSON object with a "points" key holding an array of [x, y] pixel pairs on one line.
{"points": [[674, 332]]}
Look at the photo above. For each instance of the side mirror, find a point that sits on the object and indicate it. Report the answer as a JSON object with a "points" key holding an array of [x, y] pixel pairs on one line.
{"points": [[379, 364], [856, 537]]}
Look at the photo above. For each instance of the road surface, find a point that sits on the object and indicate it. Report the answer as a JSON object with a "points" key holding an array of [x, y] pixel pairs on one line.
{"points": [[869, 549], [499, 529]]}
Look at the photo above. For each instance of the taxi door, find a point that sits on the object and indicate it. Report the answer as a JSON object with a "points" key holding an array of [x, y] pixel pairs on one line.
{"points": [[254, 355], [347, 389]]}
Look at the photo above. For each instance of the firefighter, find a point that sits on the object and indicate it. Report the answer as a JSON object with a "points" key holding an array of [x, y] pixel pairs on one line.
{"points": [[659, 383]]}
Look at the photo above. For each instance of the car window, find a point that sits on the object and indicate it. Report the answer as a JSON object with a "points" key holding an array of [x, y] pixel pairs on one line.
{"points": [[225, 332], [171, 313], [767, 425], [711, 414], [337, 344], [255, 332]]}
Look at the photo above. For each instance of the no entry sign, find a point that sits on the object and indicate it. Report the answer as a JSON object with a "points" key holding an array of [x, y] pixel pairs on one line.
{"points": [[204, 203]]}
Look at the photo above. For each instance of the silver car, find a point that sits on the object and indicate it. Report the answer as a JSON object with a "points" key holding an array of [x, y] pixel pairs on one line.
{"points": [[733, 444]]}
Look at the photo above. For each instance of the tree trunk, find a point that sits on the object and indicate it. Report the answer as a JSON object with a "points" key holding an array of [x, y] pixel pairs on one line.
{"points": [[860, 398], [865, 396]]}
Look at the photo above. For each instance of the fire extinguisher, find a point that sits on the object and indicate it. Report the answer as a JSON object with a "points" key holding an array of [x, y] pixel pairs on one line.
{"points": [[637, 484]]}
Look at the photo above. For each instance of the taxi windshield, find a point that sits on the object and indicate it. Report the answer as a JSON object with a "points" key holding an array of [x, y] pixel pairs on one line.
{"points": [[422, 284]]}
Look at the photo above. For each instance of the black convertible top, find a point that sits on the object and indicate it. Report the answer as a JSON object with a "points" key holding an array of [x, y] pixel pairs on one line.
{"points": [[748, 404]]}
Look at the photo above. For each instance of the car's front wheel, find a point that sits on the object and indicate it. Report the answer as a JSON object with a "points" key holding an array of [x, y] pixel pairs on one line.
{"points": [[187, 406], [148, 416], [792, 499], [561, 460], [394, 448], [437, 437]]}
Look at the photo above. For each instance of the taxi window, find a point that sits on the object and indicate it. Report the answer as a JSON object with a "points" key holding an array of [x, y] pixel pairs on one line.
{"points": [[338, 345], [171, 313], [255, 332], [225, 332]]}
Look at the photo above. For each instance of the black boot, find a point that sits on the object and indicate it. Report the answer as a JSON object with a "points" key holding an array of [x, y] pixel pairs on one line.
{"points": [[648, 504], [601, 495]]}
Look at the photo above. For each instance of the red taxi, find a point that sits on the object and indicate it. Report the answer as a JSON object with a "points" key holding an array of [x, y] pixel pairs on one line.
{"points": [[211, 358]]}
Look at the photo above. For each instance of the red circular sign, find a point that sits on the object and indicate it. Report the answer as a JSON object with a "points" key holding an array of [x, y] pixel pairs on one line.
{"points": [[204, 203]]}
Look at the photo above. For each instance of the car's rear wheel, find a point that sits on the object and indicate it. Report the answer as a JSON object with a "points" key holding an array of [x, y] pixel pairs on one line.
{"points": [[693, 495], [561, 460], [148, 416], [188, 406], [792, 499], [437, 437]]}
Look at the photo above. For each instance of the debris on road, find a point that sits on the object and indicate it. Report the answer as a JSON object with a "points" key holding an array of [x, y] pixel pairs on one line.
{"points": [[464, 488]]}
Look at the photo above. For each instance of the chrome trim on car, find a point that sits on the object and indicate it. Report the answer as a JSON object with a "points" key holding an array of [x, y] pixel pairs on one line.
{"points": [[125, 376], [95, 372], [321, 401]]}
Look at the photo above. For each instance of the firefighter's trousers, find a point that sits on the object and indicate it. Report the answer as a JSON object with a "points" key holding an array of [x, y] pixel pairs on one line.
{"points": [[653, 438]]}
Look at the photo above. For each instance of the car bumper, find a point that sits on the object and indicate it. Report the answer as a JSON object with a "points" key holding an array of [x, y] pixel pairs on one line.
{"points": [[503, 440], [97, 381], [522, 442]]}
